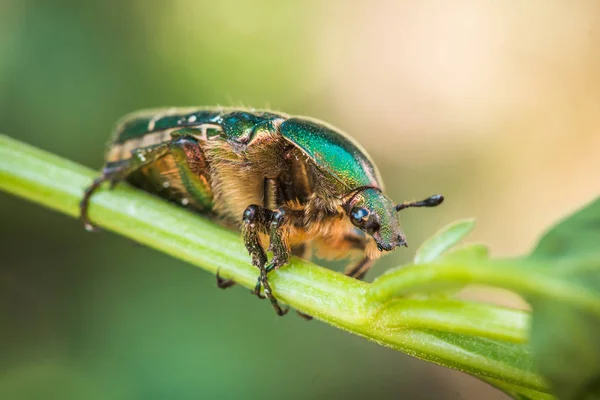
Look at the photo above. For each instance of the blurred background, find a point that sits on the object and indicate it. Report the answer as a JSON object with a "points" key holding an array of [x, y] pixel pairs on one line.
{"points": [[494, 104]]}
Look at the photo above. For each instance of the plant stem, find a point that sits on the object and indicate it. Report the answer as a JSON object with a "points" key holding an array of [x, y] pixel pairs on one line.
{"points": [[521, 275], [452, 333], [457, 316]]}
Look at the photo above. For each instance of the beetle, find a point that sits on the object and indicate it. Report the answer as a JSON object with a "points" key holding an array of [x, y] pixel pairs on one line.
{"points": [[294, 183]]}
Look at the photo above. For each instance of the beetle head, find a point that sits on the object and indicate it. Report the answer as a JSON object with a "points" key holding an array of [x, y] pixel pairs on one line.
{"points": [[375, 214]]}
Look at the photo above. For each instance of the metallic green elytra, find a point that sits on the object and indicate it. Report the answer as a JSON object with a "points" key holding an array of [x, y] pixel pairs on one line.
{"points": [[291, 184]]}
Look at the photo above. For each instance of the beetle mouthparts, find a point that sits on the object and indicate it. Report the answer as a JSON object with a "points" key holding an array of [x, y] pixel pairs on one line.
{"points": [[391, 246]]}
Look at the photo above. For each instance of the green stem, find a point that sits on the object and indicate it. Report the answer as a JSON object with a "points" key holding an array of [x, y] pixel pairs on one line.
{"points": [[452, 333], [513, 391], [456, 316], [528, 280]]}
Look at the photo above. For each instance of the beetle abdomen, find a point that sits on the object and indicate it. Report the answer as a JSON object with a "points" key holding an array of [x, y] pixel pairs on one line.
{"points": [[154, 126], [145, 122]]}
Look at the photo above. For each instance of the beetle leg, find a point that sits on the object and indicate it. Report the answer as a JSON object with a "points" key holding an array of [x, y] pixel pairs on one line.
{"points": [[278, 217], [278, 242], [85, 201], [117, 171], [257, 220], [360, 269], [224, 283], [253, 223], [192, 166], [279, 246], [182, 146], [113, 172], [281, 254]]}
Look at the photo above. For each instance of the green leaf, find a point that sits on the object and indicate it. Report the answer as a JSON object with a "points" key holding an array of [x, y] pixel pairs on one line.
{"points": [[566, 337], [519, 275], [471, 252], [443, 240]]}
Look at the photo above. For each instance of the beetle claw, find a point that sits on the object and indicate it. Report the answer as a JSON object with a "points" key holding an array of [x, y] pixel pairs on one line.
{"points": [[84, 204], [224, 283], [280, 311], [87, 224], [256, 290], [305, 316], [90, 227]]}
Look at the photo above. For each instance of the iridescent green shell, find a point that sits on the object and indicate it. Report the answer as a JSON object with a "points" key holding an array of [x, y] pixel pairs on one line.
{"points": [[332, 151]]}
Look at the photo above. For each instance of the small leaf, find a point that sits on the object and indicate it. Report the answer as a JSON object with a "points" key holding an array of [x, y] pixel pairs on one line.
{"points": [[443, 240], [565, 337], [468, 252]]}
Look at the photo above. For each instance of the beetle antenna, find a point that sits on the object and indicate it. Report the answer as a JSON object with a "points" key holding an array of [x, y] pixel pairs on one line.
{"points": [[431, 201]]}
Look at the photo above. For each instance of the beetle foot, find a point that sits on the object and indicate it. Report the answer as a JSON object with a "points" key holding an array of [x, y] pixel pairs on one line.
{"points": [[262, 280], [278, 309], [113, 172], [305, 316], [84, 205], [89, 226], [224, 283], [256, 290]]}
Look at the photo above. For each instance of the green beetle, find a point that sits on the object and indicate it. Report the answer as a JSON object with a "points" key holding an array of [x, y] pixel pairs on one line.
{"points": [[292, 182]]}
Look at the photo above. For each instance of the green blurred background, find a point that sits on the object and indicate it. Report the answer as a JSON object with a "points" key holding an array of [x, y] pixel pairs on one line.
{"points": [[494, 104]]}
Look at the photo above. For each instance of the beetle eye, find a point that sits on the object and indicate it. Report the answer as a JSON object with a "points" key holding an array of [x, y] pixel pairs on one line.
{"points": [[359, 215]]}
